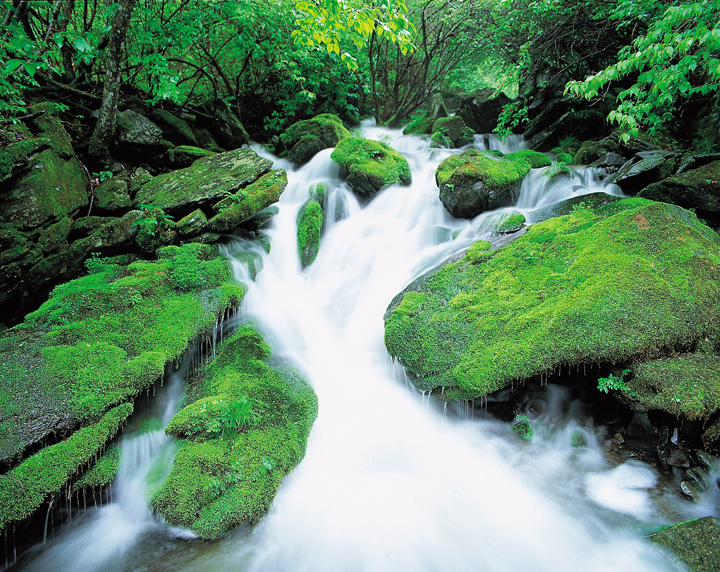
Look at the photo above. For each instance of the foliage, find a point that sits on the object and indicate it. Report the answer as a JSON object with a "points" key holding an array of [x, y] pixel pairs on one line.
{"points": [[677, 59], [522, 427], [614, 382]]}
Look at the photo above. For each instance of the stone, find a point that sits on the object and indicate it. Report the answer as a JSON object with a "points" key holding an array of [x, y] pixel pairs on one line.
{"points": [[192, 224], [310, 222], [136, 129], [697, 189], [112, 196], [174, 128], [643, 169], [451, 132], [186, 155], [473, 182], [306, 138], [370, 165], [223, 125], [205, 182], [482, 109], [696, 543]]}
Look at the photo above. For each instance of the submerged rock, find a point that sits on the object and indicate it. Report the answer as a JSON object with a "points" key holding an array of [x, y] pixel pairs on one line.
{"points": [[245, 430], [371, 165], [696, 543], [305, 139], [473, 182], [632, 280]]}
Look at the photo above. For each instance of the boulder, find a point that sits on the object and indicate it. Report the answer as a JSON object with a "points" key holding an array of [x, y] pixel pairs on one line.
{"points": [[481, 110], [185, 155], [306, 138], [645, 168], [223, 125], [697, 189], [631, 281], [536, 159], [473, 182], [204, 183], [137, 130], [112, 196], [173, 128], [192, 224], [370, 165], [451, 132], [591, 151]]}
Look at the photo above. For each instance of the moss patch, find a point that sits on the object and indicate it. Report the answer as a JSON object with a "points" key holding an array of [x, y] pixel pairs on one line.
{"points": [[25, 488], [223, 478], [631, 280], [696, 543], [535, 158], [371, 165], [305, 138], [102, 472], [310, 223]]}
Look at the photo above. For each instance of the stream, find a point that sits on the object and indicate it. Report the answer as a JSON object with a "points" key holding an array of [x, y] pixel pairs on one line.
{"points": [[393, 480]]}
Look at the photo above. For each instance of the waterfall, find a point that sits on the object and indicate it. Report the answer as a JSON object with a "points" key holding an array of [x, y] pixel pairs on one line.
{"points": [[392, 479]]}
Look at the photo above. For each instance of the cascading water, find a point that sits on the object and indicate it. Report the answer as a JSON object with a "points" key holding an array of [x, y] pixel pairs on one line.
{"points": [[389, 483]]}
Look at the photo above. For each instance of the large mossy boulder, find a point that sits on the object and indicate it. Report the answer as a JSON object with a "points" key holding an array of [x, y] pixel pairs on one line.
{"points": [[305, 139], [204, 183], [95, 345], [246, 428], [697, 189], [473, 182], [371, 165], [451, 132], [631, 281]]}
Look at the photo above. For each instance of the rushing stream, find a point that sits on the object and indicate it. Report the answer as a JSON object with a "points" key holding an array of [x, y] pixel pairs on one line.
{"points": [[392, 481]]}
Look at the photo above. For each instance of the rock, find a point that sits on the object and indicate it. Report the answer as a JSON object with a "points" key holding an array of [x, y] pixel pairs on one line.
{"points": [[173, 128], [697, 189], [481, 110], [678, 459], [138, 130], [209, 179], [207, 141], [54, 237], [536, 159], [451, 132], [112, 196], [224, 126], [371, 165], [645, 168], [591, 151], [138, 178], [249, 201], [192, 224], [696, 543], [306, 138], [310, 222], [473, 182], [695, 161], [419, 125], [543, 134], [511, 223], [642, 434], [609, 162], [599, 285], [186, 155], [568, 206]]}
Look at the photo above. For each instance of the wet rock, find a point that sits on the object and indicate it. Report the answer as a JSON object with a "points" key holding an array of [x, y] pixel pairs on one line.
{"points": [[204, 183], [192, 224], [609, 162], [310, 221], [641, 434], [370, 165], [696, 543], [591, 151], [473, 182], [186, 155], [695, 161], [678, 459], [305, 139], [645, 168], [481, 110]]}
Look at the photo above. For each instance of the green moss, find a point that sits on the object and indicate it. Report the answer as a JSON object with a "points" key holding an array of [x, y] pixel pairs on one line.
{"points": [[535, 158], [419, 125], [218, 482], [318, 193], [687, 385], [511, 223], [451, 132], [306, 138], [632, 280], [186, 155], [557, 171], [102, 472], [252, 199], [310, 224], [103, 338], [564, 159], [371, 165], [696, 543], [25, 488]]}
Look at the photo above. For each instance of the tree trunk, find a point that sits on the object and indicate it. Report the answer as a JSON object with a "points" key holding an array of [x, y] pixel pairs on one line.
{"points": [[105, 127]]}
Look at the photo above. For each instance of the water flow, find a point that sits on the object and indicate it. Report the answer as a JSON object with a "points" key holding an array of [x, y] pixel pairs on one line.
{"points": [[101, 539], [387, 484]]}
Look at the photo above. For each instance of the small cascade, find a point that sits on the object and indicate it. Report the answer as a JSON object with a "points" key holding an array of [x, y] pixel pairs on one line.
{"points": [[491, 142]]}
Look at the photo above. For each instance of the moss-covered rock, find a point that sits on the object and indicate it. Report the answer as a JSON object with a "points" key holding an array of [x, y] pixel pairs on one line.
{"points": [[134, 129], [645, 168], [309, 231], [102, 472], [421, 124], [241, 206], [564, 158], [192, 224], [101, 339], [26, 486], [591, 151], [630, 281], [473, 182], [306, 138], [185, 155], [451, 132], [535, 158], [371, 165], [568, 206], [510, 223], [246, 430], [173, 128], [204, 183], [113, 195], [695, 189], [696, 543]]}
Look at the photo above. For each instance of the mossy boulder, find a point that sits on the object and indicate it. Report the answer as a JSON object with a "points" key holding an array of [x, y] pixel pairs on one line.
{"points": [[535, 158], [112, 196], [101, 339], [185, 155], [173, 128], [451, 132], [473, 182], [309, 231], [244, 204], [371, 165], [697, 189], [192, 224], [696, 543], [631, 281], [306, 138], [419, 125], [204, 183], [245, 430], [134, 129], [591, 151], [569, 206]]}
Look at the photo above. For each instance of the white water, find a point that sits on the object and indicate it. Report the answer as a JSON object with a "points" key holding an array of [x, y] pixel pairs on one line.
{"points": [[388, 483]]}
